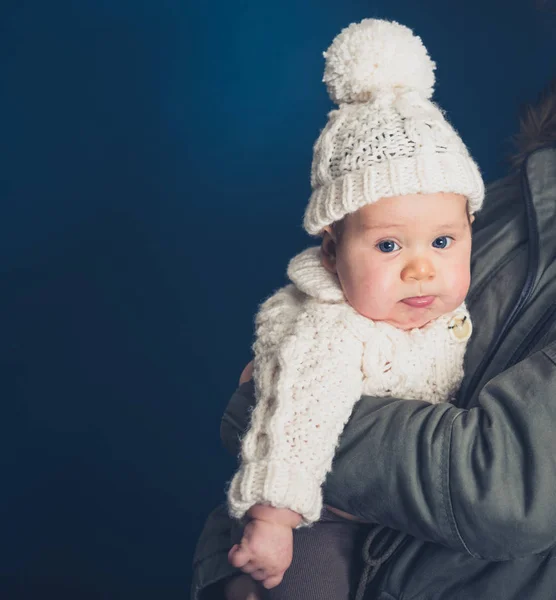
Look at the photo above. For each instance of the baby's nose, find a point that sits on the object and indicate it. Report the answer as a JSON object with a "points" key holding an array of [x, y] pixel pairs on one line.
{"points": [[418, 269]]}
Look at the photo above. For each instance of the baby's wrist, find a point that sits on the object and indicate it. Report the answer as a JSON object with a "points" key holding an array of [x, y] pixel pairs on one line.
{"points": [[278, 516]]}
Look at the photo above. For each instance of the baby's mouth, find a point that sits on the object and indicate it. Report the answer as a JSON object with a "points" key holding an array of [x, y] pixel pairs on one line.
{"points": [[419, 301]]}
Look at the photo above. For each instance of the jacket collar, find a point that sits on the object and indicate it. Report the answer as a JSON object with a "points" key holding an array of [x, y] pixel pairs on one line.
{"points": [[539, 186]]}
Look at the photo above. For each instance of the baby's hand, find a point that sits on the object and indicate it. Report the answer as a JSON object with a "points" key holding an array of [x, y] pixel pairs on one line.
{"points": [[265, 551], [247, 373]]}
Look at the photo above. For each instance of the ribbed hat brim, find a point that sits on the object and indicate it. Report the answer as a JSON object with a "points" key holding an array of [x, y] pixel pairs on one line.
{"points": [[420, 174]]}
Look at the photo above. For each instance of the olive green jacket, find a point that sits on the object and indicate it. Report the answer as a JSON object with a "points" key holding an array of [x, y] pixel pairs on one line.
{"points": [[465, 492]]}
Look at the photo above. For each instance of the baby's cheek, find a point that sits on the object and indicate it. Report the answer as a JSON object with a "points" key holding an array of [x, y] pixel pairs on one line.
{"points": [[380, 300], [367, 299], [458, 282]]}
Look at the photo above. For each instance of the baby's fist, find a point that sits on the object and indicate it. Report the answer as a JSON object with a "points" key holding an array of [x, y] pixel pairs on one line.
{"points": [[265, 552]]}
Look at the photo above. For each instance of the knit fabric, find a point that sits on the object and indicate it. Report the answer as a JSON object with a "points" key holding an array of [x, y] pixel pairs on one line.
{"points": [[315, 356], [386, 138]]}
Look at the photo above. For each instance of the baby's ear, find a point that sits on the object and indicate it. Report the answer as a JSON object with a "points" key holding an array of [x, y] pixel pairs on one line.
{"points": [[328, 249]]}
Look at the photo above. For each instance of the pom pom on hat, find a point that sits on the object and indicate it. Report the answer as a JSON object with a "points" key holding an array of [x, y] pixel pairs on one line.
{"points": [[387, 138], [376, 56]]}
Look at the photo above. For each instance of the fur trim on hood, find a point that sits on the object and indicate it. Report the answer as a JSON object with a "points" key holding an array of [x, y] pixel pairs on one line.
{"points": [[537, 126]]}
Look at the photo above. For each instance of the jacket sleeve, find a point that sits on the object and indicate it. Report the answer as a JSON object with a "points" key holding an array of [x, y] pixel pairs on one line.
{"points": [[306, 388], [210, 562], [481, 481]]}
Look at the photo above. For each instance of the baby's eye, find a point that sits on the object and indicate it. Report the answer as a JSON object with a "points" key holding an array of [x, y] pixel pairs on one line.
{"points": [[442, 242], [387, 246]]}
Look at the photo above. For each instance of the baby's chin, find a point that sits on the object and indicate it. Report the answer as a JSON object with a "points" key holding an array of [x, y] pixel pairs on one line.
{"points": [[408, 325], [407, 317], [406, 321], [416, 318]]}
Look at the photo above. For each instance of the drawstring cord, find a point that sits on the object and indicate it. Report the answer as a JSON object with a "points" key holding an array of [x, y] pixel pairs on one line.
{"points": [[386, 546]]}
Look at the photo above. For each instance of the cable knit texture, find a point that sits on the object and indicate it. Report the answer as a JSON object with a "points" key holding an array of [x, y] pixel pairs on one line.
{"points": [[314, 358], [387, 137]]}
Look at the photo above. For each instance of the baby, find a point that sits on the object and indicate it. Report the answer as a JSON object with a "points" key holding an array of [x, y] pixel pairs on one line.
{"points": [[378, 309]]}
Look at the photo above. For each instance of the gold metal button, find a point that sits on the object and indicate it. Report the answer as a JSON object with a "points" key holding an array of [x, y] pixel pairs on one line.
{"points": [[460, 327]]}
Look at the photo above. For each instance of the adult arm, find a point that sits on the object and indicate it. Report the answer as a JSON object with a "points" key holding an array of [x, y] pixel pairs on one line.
{"points": [[481, 481]]}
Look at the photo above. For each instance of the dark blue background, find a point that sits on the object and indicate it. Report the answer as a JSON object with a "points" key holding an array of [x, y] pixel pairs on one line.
{"points": [[154, 168]]}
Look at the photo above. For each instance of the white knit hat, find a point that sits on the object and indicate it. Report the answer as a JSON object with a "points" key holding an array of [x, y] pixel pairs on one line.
{"points": [[386, 138]]}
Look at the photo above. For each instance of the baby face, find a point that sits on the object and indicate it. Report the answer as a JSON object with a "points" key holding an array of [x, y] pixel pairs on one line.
{"points": [[404, 260]]}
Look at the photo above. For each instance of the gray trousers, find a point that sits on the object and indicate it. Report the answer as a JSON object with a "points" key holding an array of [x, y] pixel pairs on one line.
{"points": [[327, 561]]}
